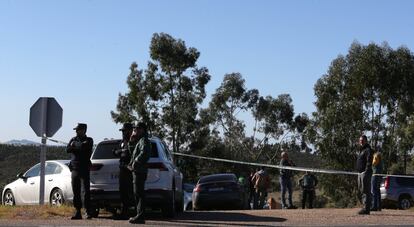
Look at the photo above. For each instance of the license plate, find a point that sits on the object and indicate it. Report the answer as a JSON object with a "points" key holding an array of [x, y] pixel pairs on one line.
{"points": [[216, 189]]}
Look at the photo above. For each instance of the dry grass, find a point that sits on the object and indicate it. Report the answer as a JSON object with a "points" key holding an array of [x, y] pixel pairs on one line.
{"points": [[35, 212]]}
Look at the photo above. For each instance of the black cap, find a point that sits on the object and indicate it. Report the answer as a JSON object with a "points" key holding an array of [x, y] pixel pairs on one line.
{"points": [[141, 125], [126, 127], [80, 126]]}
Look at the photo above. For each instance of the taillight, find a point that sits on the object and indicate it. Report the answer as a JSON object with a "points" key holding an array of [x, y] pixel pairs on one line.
{"points": [[197, 188], [387, 182], [96, 167], [157, 165]]}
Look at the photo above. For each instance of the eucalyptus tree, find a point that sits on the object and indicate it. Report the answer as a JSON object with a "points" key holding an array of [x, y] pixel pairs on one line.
{"points": [[167, 94]]}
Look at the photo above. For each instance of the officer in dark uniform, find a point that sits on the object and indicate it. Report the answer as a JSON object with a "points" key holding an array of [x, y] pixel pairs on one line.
{"points": [[80, 148], [364, 168], [125, 175], [138, 166]]}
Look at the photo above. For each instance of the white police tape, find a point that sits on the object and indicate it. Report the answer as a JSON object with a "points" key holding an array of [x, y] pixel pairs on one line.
{"points": [[303, 169]]}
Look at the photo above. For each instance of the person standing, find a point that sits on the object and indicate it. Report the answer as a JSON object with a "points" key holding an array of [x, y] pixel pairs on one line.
{"points": [[364, 168], [261, 184], [251, 189], [80, 148], [377, 168], [138, 166], [286, 181], [308, 183], [125, 175]]}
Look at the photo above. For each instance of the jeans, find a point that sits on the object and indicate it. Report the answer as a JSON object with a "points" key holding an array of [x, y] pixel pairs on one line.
{"points": [[375, 190], [364, 184], [286, 185]]}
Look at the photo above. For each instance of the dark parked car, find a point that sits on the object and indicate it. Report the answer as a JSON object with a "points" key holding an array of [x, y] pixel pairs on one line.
{"points": [[397, 191], [218, 191]]}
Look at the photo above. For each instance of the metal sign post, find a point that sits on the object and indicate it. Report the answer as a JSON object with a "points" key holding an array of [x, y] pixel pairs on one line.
{"points": [[45, 120]]}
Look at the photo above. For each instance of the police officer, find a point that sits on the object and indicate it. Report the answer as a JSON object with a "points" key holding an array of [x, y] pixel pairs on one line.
{"points": [[125, 175], [364, 168], [80, 148], [138, 166]]}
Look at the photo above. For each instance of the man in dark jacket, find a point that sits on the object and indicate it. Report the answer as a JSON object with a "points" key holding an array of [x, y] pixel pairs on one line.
{"points": [[138, 166], [364, 168], [125, 175], [80, 148]]}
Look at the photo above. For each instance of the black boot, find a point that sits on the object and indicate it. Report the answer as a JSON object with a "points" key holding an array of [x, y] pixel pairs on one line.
{"points": [[136, 220], [363, 212], [124, 215], [77, 215]]}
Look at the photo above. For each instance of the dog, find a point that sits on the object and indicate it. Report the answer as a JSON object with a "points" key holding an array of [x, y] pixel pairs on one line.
{"points": [[272, 203]]}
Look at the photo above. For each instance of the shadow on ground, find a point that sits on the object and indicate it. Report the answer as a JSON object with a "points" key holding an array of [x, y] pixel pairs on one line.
{"points": [[217, 218]]}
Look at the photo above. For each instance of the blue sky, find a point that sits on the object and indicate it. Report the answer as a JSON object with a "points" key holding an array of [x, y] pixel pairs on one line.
{"points": [[79, 51]]}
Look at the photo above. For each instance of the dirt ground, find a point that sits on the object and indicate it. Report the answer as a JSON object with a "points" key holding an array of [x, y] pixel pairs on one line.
{"points": [[299, 217]]}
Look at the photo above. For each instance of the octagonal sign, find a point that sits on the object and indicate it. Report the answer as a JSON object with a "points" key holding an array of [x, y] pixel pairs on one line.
{"points": [[46, 117]]}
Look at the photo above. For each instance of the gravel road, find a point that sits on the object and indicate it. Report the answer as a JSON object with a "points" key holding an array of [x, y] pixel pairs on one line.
{"points": [[315, 217]]}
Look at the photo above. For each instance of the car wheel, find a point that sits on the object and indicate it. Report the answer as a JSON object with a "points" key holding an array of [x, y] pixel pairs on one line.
{"points": [[56, 198], [169, 209], [8, 198], [404, 203]]}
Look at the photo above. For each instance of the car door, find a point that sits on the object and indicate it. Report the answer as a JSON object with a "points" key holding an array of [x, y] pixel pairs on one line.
{"points": [[52, 172], [29, 190]]}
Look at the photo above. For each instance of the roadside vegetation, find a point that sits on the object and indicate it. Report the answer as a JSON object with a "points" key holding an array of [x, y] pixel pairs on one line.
{"points": [[35, 212]]}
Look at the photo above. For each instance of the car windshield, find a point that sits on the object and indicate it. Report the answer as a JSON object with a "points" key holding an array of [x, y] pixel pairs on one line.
{"points": [[220, 177], [105, 151]]}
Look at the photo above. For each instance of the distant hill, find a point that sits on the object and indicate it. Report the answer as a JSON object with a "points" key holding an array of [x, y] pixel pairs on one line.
{"points": [[22, 142]]}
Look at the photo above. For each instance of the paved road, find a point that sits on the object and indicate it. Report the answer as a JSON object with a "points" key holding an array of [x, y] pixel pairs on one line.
{"points": [[316, 217]]}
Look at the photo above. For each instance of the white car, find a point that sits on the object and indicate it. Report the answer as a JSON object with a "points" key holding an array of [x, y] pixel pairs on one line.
{"points": [[25, 190], [163, 187]]}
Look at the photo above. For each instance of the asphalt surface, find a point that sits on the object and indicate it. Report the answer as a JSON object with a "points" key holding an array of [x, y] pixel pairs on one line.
{"points": [[299, 217]]}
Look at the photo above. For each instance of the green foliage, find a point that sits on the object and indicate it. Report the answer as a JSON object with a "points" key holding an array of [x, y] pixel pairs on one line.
{"points": [[367, 91], [167, 94]]}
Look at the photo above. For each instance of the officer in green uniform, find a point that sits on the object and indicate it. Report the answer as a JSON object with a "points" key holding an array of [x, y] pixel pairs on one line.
{"points": [[138, 166]]}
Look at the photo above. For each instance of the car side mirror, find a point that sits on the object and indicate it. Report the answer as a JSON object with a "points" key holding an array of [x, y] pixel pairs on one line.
{"points": [[20, 175]]}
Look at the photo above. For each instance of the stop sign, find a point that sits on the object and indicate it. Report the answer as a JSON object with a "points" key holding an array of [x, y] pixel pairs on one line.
{"points": [[46, 117]]}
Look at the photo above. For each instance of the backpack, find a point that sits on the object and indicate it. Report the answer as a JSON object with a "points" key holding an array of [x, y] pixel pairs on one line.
{"points": [[261, 180]]}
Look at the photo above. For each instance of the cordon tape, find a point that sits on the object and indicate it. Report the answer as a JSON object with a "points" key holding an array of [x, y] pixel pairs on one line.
{"points": [[294, 168]]}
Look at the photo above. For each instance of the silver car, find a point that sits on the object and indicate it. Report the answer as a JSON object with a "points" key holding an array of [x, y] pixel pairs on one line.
{"points": [[25, 190], [397, 191]]}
